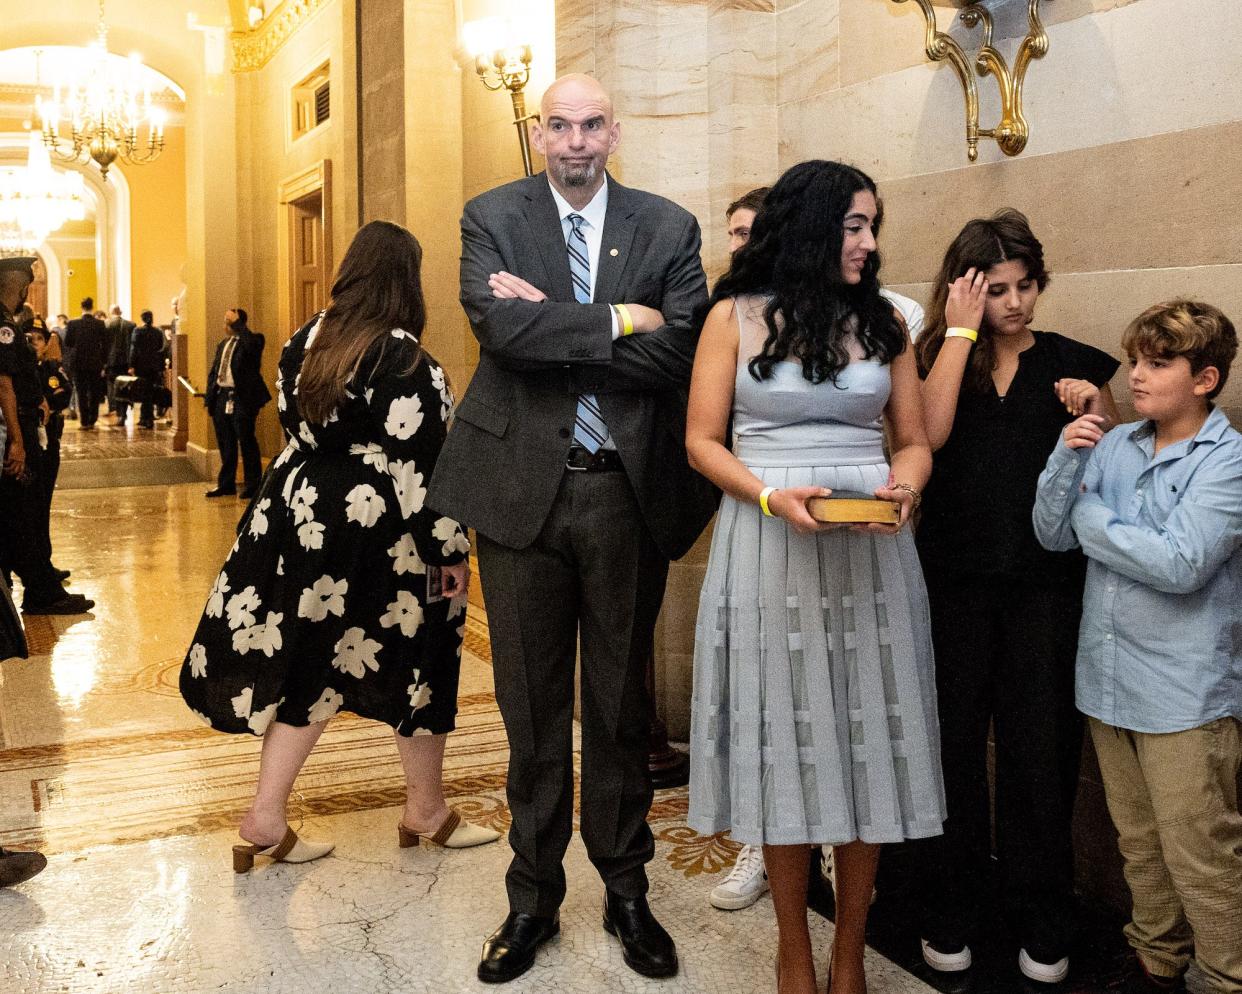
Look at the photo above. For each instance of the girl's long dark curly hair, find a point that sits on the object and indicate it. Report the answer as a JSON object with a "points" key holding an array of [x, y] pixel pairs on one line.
{"points": [[794, 256], [983, 243]]}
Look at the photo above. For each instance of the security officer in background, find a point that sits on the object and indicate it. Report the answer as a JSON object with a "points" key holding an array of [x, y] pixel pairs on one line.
{"points": [[23, 539]]}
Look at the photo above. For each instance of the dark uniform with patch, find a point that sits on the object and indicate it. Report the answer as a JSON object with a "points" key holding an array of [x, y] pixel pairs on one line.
{"points": [[57, 391], [24, 540]]}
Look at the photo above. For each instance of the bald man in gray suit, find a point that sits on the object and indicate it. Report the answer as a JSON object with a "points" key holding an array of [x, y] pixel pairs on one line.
{"points": [[567, 456]]}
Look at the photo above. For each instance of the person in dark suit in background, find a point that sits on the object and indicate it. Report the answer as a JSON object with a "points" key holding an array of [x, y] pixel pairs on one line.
{"points": [[235, 395], [567, 455], [120, 336], [86, 340], [146, 359]]}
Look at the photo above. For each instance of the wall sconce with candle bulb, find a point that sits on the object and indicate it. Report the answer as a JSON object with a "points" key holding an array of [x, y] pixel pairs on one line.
{"points": [[504, 64], [1012, 132]]}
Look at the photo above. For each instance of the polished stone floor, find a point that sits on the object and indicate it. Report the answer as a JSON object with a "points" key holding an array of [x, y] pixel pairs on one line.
{"points": [[135, 803]]}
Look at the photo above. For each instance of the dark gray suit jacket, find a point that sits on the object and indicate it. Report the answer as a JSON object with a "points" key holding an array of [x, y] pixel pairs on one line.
{"points": [[505, 455]]}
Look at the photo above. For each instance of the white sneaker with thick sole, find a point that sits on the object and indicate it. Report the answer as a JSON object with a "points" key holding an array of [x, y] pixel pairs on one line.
{"points": [[745, 884], [1044, 973], [946, 962]]}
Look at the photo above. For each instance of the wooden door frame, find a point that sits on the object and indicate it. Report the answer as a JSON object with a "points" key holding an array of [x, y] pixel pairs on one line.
{"points": [[316, 178]]}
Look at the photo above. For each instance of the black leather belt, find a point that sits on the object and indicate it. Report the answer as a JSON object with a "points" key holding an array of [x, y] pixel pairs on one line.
{"points": [[581, 461]]}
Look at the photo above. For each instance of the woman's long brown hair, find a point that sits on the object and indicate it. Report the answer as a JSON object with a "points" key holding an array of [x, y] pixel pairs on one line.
{"points": [[982, 244], [378, 288]]}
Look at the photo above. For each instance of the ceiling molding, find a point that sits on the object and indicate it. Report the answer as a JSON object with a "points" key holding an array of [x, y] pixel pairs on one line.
{"points": [[254, 49]]}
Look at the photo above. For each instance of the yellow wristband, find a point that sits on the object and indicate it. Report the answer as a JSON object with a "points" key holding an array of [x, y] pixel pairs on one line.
{"points": [[764, 494], [627, 322], [962, 333]]}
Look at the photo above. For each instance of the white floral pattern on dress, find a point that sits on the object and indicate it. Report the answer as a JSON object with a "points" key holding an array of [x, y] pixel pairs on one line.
{"points": [[449, 532], [310, 535], [355, 653], [420, 692], [215, 600], [408, 483], [405, 414], [198, 660], [303, 503], [406, 612], [241, 608], [405, 557], [440, 382], [259, 720], [263, 638], [372, 455], [329, 703], [258, 518], [326, 596], [363, 505], [241, 703]]}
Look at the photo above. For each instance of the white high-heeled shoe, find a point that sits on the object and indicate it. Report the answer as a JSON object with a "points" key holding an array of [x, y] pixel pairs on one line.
{"points": [[453, 833], [290, 849]]}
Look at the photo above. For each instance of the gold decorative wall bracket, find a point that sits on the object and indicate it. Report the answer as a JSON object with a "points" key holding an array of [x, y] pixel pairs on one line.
{"points": [[1012, 132]]}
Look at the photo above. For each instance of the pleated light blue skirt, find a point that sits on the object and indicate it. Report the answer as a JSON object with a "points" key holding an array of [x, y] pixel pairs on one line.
{"points": [[814, 709]]}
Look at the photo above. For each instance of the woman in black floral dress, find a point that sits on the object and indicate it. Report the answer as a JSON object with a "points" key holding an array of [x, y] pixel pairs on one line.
{"points": [[343, 592]]}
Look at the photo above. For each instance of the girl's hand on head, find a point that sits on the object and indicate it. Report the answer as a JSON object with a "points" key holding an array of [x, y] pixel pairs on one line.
{"points": [[967, 296], [1079, 396], [1085, 432]]}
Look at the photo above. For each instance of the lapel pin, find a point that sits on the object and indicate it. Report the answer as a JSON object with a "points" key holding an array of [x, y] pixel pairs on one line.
{"points": [[613, 252]]}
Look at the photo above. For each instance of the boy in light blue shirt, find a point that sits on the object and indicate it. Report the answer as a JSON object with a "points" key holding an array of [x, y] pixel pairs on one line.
{"points": [[1156, 506]]}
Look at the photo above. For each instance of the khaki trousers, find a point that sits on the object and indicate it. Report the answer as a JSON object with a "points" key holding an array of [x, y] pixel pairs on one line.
{"points": [[1174, 801]]}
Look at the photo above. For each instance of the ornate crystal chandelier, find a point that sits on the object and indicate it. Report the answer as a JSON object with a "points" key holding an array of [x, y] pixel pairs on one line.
{"points": [[105, 108], [35, 200]]}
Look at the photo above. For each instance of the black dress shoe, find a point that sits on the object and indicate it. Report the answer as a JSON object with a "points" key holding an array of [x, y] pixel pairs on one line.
{"points": [[510, 950], [645, 946], [249, 492], [68, 604], [61, 574], [18, 866], [217, 492]]}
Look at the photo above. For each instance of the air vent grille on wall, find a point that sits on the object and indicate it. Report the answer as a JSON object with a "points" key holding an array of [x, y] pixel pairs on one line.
{"points": [[321, 104], [311, 102]]}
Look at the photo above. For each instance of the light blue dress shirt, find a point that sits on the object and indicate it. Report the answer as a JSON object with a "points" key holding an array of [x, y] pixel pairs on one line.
{"points": [[1160, 645]]}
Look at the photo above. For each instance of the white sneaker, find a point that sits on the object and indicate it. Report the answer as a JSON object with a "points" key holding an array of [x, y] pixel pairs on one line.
{"points": [[745, 884], [1044, 973], [946, 960]]}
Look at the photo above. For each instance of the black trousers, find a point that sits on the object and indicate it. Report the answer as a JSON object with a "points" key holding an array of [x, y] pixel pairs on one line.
{"points": [[234, 431], [90, 388], [24, 542], [593, 573], [1005, 653], [50, 470], [116, 405]]}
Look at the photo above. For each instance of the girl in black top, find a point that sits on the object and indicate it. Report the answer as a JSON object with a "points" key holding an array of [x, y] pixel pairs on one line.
{"points": [[1004, 611]]}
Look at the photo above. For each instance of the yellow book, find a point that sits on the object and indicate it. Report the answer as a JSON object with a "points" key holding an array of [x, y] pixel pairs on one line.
{"points": [[848, 507]]}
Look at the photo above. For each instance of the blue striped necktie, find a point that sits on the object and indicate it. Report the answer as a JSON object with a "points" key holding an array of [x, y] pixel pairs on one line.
{"points": [[589, 429]]}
